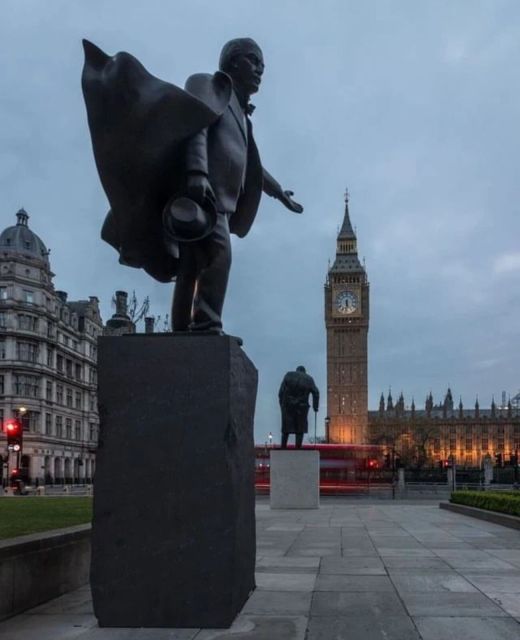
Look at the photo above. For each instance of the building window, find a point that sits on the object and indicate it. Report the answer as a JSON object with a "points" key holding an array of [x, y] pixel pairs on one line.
{"points": [[3, 293], [68, 428], [59, 426], [68, 368], [48, 390], [91, 431], [78, 399], [69, 398], [50, 357], [78, 372], [33, 421], [24, 385], [28, 296], [1, 385], [59, 363], [2, 349], [48, 424], [92, 402], [27, 323], [3, 320], [59, 393], [27, 351], [77, 430]]}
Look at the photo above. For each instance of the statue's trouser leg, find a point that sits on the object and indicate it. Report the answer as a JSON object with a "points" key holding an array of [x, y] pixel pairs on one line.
{"points": [[299, 440], [214, 259], [285, 437], [184, 288]]}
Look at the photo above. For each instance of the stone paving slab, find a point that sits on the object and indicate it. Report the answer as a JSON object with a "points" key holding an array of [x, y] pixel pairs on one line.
{"points": [[353, 604], [352, 570], [463, 628], [453, 603], [417, 581], [363, 566], [368, 627]]}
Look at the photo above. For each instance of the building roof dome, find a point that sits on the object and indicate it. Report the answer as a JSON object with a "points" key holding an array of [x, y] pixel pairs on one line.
{"points": [[19, 239]]}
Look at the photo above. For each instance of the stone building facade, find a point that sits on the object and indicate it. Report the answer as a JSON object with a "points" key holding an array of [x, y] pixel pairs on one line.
{"points": [[48, 355], [346, 322], [447, 432]]}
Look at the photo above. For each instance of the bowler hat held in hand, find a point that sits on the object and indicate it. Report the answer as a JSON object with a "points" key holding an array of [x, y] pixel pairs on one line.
{"points": [[185, 220]]}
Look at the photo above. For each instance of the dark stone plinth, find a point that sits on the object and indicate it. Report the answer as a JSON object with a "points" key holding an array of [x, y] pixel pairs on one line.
{"points": [[173, 538]]}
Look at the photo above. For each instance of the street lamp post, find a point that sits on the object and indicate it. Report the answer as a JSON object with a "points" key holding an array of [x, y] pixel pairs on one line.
{"points": [[20, 414]]}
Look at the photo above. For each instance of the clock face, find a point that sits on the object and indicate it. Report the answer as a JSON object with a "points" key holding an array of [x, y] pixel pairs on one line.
{"points": [[346, 302]]}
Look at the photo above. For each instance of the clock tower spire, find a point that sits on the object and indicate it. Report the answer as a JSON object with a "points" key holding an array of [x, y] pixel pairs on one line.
{"points": [[346, 322]]}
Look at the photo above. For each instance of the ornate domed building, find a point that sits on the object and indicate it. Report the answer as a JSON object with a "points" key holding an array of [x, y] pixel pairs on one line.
{"points": [[47, 365]]}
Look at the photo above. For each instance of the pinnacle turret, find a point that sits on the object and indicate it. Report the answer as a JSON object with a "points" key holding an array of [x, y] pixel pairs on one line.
{"points": [[346, 232], [347, 260]]}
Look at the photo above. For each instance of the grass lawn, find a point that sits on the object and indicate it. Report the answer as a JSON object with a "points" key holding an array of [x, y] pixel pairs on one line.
{"points": [[23, 515]]}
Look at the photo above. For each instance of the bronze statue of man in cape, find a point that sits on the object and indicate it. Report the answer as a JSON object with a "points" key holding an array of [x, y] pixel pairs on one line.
{"points": [[180, 169]]}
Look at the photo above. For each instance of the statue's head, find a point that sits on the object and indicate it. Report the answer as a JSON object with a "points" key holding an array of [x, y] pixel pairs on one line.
{"points": [[301, 369], [243, 60]]}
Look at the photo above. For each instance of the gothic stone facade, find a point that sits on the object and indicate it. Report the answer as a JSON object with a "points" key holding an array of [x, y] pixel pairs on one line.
{"points": [[346, 321], [444, 432], [48, 360]]}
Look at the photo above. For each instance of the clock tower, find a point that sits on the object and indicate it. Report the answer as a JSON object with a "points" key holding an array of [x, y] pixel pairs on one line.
{"points": [[346, 321]]}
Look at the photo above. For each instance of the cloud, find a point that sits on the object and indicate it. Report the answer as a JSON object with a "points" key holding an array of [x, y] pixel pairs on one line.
{"points": [[507, 263]]}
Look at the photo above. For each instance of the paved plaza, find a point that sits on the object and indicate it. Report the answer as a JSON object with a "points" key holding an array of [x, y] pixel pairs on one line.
{"points": [[350, 570]]}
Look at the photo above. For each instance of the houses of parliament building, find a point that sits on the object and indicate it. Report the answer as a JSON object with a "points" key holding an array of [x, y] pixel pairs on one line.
{"points": [[437, 431]]}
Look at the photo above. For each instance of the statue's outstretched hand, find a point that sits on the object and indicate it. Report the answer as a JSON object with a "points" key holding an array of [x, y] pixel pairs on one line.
{"points": [[285, 198]]}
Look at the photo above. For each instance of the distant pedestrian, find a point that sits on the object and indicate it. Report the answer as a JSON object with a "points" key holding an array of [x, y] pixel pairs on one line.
{"points": [[294, 404]]}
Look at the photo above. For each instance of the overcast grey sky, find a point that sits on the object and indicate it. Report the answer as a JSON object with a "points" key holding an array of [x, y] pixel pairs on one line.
{"points": [[412, 105]]}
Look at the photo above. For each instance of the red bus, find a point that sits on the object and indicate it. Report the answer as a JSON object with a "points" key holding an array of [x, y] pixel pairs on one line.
{"points": [[343, 467]]}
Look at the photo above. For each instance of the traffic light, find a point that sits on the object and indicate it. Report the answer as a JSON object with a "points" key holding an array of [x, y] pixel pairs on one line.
{"points": [[14, 432], [446, 464]]}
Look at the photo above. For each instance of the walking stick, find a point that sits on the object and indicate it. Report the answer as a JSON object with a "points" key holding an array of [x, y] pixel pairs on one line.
{"points": [[315, 422]]}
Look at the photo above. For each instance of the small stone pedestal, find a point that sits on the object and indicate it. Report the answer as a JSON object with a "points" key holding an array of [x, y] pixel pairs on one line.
{"points": [[173, 534], [295, 479]]}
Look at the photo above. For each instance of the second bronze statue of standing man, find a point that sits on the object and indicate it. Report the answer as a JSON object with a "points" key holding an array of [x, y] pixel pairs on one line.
{"points": [[181, 171]]}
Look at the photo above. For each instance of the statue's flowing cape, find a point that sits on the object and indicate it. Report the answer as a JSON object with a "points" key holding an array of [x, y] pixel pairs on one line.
{"points": [[138, 124]]}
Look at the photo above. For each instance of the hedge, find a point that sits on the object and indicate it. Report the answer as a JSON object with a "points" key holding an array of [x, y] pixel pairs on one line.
{"points": [[491, 500]]}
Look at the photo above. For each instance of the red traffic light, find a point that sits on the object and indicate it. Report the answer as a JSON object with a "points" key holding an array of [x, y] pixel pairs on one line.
{"points": [[14, 432], [14, 472], [13, 427]]}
